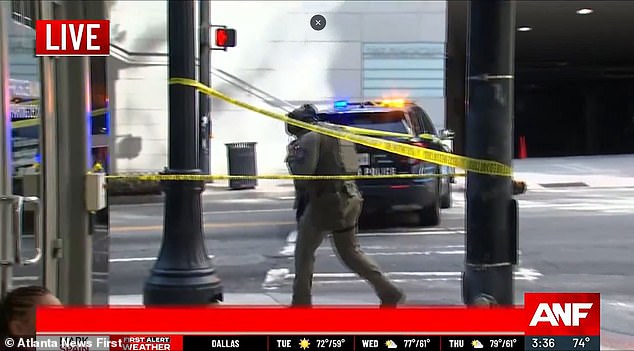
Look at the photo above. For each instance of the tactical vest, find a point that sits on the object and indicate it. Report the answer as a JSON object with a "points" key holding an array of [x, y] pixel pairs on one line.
{"points": [[336, 157]]}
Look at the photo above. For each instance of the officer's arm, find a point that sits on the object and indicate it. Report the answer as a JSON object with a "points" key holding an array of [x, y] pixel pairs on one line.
{"points": [[309, 144]]}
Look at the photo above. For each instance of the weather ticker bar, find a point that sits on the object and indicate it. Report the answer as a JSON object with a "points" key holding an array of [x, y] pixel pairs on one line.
{"points": [[354, 342], [303, 342], [379, 342]]}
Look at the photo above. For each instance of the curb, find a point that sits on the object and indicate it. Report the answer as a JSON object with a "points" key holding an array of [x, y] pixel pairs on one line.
{"points": [[209, 194], [134, 199], [540, 187]]}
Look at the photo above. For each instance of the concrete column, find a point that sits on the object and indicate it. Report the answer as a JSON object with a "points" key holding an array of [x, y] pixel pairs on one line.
{"points": [[6, 169], [74, 143], [49, 180]]}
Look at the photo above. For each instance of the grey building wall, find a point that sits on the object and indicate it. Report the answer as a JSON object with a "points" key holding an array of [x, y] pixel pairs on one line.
{"points": [[23, 65]]}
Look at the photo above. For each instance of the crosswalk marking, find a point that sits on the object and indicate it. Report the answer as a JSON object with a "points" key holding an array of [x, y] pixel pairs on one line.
{"points": [[289, 248], [622, 305], [413, 233], [578, 203], [281, 277], [412, 253]]}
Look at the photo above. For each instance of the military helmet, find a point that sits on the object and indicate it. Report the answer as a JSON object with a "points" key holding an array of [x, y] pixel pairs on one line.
{"points": [[305, 113]]}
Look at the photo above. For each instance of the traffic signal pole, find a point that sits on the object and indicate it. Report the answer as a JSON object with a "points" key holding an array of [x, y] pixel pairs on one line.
{"points": [[183, 273], [205, 78], [491, 240]]}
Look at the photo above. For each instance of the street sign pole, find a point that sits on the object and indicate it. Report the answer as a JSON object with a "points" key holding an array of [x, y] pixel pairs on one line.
{"points": [[491, 240], [205, 78], [183, 273]]}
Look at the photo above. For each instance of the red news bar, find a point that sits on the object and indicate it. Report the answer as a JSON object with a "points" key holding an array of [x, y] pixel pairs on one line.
{"points": [[228, 319]]}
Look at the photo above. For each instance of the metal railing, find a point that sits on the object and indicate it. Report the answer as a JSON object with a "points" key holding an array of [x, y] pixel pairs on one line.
{"points": [[24, 12]]}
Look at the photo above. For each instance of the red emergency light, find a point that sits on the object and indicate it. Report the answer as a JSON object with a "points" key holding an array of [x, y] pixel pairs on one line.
{"points": [[225, 37]]}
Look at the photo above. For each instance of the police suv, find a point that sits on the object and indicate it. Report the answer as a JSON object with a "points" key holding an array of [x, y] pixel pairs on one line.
{"points": [[423, 195]]}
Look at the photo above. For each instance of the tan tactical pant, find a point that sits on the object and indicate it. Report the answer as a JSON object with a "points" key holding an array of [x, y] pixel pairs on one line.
{"points": [[311, 231]]}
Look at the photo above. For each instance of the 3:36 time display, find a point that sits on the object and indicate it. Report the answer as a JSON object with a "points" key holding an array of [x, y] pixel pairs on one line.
{"points": [[543, 343]]}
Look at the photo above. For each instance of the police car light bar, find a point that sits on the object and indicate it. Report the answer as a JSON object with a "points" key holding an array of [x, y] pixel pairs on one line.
{"points": [[392, 103], [341, 104]]}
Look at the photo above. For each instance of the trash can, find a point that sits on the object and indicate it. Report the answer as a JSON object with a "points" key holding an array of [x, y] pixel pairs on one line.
{"points": [[241, 161]]}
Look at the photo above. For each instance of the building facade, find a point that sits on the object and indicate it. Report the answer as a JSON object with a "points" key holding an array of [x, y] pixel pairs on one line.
{"points": [[368, 49]]}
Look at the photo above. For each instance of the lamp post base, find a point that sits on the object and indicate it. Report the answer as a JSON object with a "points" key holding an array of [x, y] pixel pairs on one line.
{"points": [[491, 285], [183, 273], [199, 287]]}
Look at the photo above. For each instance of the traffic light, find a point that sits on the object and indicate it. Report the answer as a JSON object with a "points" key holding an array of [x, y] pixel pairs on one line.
{"points": [[225, 37]]}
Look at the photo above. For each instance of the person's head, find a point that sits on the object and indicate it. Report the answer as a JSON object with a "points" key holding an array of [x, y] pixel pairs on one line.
{"points": [[17, 311], [305, 113]]}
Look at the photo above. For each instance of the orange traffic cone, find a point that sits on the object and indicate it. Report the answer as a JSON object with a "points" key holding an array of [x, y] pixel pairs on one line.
{"points": [[523, 153]]}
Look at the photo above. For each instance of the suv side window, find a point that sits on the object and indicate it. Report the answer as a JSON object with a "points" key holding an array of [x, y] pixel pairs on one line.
{"points": [[415, 121], [427, 125]]}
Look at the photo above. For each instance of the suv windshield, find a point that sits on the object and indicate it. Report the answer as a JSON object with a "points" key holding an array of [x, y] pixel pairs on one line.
{"points": [[392, 121]]}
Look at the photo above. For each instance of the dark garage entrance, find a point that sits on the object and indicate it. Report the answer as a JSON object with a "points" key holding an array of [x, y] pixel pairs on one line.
{"points": [[574, 90]]}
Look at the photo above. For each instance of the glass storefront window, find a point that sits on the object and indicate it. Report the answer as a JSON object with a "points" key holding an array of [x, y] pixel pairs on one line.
{"points": [[25, 94]]}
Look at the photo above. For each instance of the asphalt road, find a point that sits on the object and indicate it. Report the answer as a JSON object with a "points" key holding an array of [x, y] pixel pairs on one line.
{"points": [[577, 239]]}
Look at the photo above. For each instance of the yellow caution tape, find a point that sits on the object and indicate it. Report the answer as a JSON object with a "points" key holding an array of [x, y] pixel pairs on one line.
{"points": [[25, 123], [193, 177], [97, 167], [36, 121], [433, 156], [374, 132]]}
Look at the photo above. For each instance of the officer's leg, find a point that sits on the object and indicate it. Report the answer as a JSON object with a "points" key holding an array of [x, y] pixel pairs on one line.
{"points": [[309, 237], [350, 253]]}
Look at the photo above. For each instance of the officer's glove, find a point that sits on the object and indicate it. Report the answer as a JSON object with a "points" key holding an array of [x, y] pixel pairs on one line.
{"points": [[519, 187]]}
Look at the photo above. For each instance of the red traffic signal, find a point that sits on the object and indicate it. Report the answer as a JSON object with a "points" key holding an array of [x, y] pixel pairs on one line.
{"points": [[225, 37]]}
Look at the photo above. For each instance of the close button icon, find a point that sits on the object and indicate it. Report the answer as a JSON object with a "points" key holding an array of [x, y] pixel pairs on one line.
{"points": [[318, 22]]}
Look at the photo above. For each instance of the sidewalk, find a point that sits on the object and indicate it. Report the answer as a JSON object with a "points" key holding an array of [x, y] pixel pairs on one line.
{"points": [[610, 171], [220, 189], [607, 171], [538, 173], [264, 186]]}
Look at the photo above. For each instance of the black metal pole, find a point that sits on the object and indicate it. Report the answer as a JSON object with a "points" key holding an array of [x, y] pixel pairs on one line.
{"points": [[491, 239], [183, 272], [205, 77]]}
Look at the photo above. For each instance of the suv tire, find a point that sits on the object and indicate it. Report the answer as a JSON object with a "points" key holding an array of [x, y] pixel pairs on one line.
{"points": [[445, 199], [430, 216]]}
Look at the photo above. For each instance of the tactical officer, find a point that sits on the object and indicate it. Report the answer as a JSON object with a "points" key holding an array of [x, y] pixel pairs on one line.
{"points": [[301, 196], [328, 207]]}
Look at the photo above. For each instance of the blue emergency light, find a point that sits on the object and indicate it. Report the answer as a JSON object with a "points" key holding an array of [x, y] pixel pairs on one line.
{"points": [[37, 158], [341, 104]]}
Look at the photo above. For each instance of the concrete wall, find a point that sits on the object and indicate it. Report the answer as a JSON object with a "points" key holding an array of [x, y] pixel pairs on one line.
{"points": [[277, 51]]}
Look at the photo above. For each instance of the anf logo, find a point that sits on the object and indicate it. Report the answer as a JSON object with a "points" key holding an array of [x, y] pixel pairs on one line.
{"points": [[562, 314], [72, 38], [569, 315]]}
